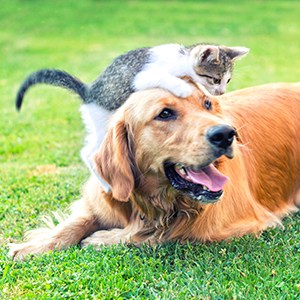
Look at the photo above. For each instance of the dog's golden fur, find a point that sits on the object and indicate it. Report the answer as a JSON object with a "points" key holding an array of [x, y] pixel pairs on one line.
{"points": [[143, 207]]}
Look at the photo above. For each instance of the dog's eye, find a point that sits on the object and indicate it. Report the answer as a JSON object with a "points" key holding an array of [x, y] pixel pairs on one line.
{"points": [[166, 114], [207, 104]]}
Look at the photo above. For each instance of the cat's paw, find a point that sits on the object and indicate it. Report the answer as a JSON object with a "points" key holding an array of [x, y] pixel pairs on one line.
{"points": [[182, 91]]}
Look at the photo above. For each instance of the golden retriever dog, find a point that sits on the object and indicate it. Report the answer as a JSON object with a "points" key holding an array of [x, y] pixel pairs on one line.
{"points": [[201, 168]]}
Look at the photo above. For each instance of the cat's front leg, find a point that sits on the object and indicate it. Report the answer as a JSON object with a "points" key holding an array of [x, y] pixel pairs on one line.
{"points": [[158, 79]]}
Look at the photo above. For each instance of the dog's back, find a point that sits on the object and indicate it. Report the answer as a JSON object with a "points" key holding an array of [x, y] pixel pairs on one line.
{"points": [[268, 122]]}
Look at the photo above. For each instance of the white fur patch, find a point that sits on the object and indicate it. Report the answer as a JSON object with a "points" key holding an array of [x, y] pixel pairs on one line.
{"points": [[221, 89], [167, 63], [95, 119]]}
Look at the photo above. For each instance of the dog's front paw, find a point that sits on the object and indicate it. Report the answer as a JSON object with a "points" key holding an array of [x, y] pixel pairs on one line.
{"points": [[92, 241], [18, 251]]}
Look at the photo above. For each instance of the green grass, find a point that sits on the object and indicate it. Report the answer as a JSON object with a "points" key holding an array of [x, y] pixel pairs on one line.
{"points": [[40, 167]]}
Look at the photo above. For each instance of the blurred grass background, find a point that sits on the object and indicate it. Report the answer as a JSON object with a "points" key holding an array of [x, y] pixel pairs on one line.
{"points": [[40, 166]]}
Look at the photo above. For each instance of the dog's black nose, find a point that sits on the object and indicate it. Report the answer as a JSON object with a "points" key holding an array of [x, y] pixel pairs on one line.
{"points": [[221, 136]]}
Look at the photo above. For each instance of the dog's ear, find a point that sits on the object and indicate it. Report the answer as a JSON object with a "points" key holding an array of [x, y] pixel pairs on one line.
{"points": [[115, 161]]}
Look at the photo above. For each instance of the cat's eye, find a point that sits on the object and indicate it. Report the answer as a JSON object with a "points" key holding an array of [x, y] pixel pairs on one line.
{"points": [[228, 80], [207, 104], [216, 81], [166, 114]]}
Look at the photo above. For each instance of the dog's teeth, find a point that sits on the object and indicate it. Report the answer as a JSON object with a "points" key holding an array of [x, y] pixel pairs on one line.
{"points": [[182, 171], [180, 168], [205, 188]]}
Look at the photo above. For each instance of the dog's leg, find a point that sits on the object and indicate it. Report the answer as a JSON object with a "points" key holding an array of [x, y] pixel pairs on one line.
{"points": [[68, 232], [95, 211], [106, 237], [113, 236]]}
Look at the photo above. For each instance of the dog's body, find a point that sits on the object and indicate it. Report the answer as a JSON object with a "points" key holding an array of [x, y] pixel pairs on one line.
{"points": [[160, 158]]}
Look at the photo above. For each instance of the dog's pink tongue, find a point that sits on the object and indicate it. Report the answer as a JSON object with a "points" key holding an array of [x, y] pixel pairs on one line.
{"points": [[209, 176]]}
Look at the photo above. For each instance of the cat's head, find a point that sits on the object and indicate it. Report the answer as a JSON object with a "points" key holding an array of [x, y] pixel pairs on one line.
{"points": [[213, 65]]}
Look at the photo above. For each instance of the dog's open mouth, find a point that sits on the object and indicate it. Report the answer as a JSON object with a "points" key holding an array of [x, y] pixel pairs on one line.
{"points": [[204, 185]]}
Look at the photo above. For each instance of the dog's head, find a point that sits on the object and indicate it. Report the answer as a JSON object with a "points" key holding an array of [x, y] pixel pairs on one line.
{"points": [[156, 139]]}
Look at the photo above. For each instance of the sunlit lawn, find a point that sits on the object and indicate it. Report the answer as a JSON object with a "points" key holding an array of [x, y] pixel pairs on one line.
{"points": [[41, 170]]}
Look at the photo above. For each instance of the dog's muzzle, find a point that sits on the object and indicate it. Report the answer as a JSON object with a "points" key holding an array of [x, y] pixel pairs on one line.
{"points": [[204, 185]]}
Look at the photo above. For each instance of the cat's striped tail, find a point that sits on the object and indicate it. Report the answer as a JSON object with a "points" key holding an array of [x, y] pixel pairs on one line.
{"points": [[52, 77]]}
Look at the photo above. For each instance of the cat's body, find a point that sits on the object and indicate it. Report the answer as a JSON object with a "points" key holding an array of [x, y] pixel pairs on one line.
{"points": [[144, 68], [161, 66]]}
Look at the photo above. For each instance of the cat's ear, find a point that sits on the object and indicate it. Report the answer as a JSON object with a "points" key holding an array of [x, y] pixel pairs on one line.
{"points": [[235, 53], [208, 54]]}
